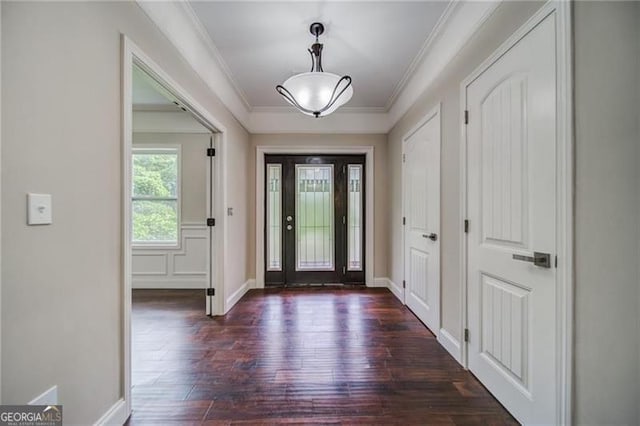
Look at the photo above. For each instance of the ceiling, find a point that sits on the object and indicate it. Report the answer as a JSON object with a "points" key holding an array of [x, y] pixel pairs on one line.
{"points": [[262, 43]]}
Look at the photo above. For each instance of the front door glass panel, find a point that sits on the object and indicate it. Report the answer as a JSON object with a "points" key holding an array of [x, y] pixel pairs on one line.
{"points": [[315, 213]]}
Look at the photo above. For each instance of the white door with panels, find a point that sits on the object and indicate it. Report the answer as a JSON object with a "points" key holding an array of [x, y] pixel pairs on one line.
{"points": [[422, 221], [511, 240]]}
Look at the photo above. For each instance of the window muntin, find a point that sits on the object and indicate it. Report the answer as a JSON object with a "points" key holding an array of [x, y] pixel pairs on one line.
{"points": [[155, 196]]}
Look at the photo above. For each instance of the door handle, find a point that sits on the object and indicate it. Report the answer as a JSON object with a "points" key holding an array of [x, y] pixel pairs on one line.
{"points": [[542, 260], [431, 236]]}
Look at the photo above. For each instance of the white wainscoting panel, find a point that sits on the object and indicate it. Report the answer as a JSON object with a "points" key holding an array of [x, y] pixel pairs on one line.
{"points": [[181, 268], [145, 263]]}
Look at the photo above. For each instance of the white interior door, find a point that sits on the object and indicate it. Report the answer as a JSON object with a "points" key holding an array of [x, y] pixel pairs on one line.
{"points": [[422, 227], [511, 184]]}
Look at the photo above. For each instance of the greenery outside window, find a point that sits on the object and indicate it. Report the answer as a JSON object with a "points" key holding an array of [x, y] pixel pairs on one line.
{"points": [[156, 196]]}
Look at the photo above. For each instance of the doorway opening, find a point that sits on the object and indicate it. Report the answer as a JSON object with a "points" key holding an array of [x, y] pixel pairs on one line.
{"points": [[315, 218], [172, 195]]}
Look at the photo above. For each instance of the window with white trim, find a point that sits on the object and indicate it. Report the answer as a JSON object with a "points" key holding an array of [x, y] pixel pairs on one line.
{"points": [[155, 198]]}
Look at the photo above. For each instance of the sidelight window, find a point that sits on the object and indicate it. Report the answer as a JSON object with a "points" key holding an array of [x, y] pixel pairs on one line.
{"points": [[354, 220], [274, 217]]}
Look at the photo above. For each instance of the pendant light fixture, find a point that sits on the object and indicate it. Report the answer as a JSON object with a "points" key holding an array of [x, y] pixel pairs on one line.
{"points": [[316, 93]]}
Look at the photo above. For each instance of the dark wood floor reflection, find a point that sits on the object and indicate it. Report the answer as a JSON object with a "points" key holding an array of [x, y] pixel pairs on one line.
{"points": [[313, 355]]}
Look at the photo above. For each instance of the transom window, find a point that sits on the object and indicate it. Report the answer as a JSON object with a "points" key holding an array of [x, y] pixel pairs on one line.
{"points": [[155, 196]]}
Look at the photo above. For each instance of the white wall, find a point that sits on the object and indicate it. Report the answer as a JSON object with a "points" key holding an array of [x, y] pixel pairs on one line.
{"points": [[164, 122], [607, 308], [380, 184], [61, 115], [446, 89]]}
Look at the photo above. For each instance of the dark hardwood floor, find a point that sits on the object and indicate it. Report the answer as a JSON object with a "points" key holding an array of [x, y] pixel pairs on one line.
{"points": [[310, 355]]}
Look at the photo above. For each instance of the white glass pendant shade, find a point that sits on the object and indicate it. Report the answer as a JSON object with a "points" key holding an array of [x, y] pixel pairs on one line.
{"points": [[316, 93], [313, 91]]}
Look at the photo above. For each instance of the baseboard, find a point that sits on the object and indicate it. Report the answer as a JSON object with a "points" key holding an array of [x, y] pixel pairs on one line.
{"points": [[116, 415], [168, 285], [48, 397], [451, 344], [396, 290], [237, 295], [379, 282]]}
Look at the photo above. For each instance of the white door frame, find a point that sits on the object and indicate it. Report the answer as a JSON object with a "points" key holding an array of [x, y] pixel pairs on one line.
{"points": [[565, 190], [132, 54], [369, 192], [427, 117]]}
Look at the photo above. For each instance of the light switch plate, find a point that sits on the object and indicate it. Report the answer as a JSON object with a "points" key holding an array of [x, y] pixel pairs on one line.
{"points": [[39, 209]]}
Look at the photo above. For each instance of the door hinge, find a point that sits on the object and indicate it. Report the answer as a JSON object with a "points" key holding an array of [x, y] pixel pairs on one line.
{"points": [[211, 222], [404, 220], [466, 335], [344, 270], [466, 226], [344, 220], [211, 152], [211, 291], [556, 262], [404, 158], [404, 284], [466, 116]]}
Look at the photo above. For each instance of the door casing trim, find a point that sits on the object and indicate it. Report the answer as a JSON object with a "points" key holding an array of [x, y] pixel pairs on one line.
{"points": [[564, 191], [366, 150]]}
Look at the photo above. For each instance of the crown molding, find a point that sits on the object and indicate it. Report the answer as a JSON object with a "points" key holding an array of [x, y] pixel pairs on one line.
{"points": [[343, 109], [338, 122], [206, 38], [179, 23], [461, 23], [437, 29], [175, 22]]}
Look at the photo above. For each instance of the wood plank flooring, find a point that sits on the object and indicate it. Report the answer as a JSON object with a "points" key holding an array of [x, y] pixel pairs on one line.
{"points": [[310, 355]]}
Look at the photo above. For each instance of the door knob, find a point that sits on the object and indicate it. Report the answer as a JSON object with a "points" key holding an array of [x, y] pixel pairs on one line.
{"points": [[289, 218], [289, 227], [539, 259], [431, 236]]}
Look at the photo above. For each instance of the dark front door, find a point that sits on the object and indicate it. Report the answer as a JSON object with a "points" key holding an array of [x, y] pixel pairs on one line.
{"points": [[314, 219]]}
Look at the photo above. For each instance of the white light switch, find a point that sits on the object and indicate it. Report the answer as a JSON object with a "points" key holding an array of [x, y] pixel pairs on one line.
{"points": [[39, 209]]}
